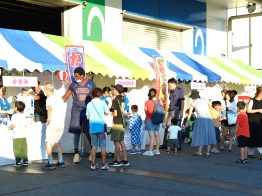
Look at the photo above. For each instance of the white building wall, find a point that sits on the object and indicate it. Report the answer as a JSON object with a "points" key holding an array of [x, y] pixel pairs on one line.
{"points": [[113, 21], [73, 23], [216, 31], [187, 41], [112, 32]]}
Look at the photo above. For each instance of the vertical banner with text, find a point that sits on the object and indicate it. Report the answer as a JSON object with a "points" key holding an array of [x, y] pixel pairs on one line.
{"points": [[75, 57], [160, 65]]}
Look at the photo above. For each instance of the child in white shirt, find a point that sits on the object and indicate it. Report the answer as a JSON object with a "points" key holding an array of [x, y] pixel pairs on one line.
{"points": [[18, 124], [172, 141]]}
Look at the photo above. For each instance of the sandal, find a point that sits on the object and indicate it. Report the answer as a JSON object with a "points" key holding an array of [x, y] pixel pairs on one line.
{"points": [[240, 161], [221, 149]]}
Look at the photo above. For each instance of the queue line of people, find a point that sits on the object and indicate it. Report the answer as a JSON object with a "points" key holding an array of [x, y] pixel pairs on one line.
{"points": [[88, 109]]}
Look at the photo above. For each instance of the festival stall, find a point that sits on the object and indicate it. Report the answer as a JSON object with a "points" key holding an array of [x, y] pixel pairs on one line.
{"points": [[34, 54]]}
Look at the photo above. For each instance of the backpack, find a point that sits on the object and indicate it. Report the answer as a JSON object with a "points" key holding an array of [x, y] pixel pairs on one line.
{"points": [[158, 113]]}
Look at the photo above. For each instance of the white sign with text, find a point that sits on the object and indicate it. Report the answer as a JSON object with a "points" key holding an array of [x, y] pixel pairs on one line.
{"points": [[250, 88], [15, 81], [198, 85], [126, 82]]}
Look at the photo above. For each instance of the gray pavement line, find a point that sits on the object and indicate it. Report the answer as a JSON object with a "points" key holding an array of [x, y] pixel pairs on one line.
{"points": [[35, 188], [191, 180]]}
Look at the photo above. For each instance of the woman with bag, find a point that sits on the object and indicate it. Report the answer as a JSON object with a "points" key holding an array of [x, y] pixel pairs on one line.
{"points": [[153, 129], [229, 128], [95, 112]]}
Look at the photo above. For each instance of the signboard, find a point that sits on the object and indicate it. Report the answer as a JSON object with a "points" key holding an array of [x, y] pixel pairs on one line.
{"points": [[243, 98], [15, 81], [126, 82], [250, 88], [160, 65], [75, 57], [197, 85]]}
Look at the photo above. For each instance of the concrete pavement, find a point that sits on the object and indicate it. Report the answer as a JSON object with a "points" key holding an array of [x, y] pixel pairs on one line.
{"points": [[158, 175]]}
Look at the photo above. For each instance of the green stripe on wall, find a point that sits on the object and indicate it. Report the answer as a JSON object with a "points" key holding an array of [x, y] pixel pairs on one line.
{"points": [[243, 79], [136, 70]]}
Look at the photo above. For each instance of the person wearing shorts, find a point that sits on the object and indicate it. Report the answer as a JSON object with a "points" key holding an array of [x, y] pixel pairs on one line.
{"points": [[118, 130], [54, 126], [173, 131], [242, 133], [153, 129], [95, 112]]}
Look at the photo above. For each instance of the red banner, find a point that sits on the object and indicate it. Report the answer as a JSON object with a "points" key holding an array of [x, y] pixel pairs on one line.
{"points": [[161, 81], [75, 57]]}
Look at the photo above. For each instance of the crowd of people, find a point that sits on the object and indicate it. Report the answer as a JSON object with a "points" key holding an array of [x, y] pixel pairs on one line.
{"points": [[100, 112]]}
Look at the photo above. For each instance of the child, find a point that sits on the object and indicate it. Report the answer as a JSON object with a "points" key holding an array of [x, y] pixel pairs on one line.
{"points": [[172, 136], [55, 126], [18, 124], [189, 128], [216, 118], [242, 133], [95, 112], [135, 123]]}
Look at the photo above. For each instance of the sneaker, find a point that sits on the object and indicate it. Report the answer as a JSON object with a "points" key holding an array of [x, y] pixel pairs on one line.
{"points": [[104, 167], [138, 152], [17, 165], [148, 153], [49, 166], [156, 152], [215, 151], [94, 167], [62, 164], [76, 158], [116, 163], [132, 152], [125, 163], [25, 163]]}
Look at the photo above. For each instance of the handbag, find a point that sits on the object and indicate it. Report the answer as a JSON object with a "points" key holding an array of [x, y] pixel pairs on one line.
{"points": [[124, 118], [224, 122], [105, 126]]}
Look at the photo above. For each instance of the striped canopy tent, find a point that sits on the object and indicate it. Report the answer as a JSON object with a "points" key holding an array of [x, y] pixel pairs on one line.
{"points": [[112, 60], [190, 67], [37, 51], [29, 50]]}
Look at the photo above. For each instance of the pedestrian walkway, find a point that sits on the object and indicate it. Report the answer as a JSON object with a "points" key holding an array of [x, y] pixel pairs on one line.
{"points": [[164, 174]]}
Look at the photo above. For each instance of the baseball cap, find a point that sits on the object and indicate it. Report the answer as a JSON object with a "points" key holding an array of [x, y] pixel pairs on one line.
{"points": [[118, 87]]}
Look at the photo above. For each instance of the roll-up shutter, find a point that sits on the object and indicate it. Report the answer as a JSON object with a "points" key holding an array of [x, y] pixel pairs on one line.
{"points": [[148, 35]]}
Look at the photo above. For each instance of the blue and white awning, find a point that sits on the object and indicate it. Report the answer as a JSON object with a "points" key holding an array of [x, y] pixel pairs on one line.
{"points": [[29, 50], [37, 51], [190, 67]]}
